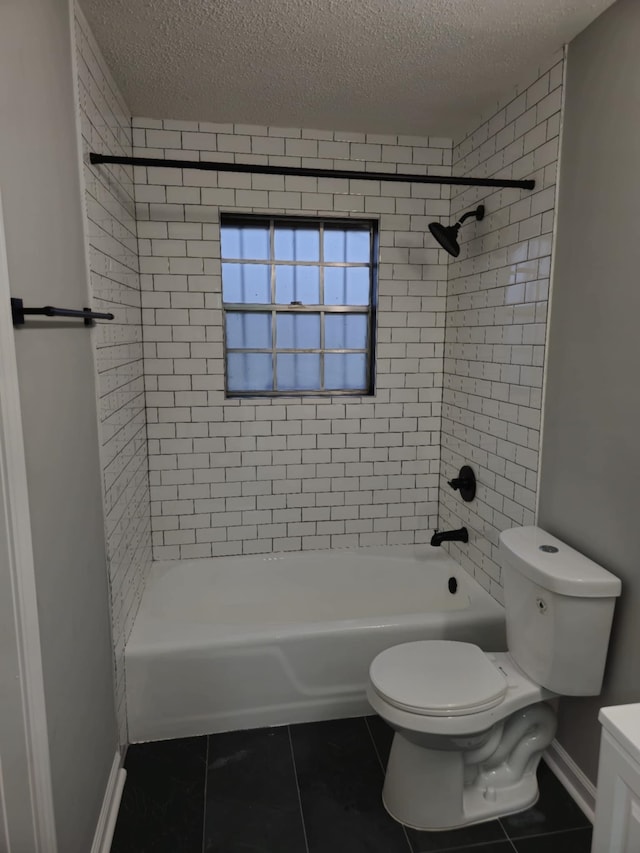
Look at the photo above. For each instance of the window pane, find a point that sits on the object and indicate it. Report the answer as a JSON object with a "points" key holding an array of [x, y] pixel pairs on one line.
{"points": [[296, 244], [298, 284], [345, 371], [248, 330], [342, 246], [298, 331], [246, 283], [245, 242], [298, 371], [345, 331], [249, 371], [346, 286]]}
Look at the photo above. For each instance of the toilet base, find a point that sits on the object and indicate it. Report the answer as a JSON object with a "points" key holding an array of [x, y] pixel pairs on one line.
{"points": [[425, 789], [479, 814]]}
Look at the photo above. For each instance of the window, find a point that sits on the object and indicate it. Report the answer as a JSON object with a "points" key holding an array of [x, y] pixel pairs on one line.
{"points": [[298, 298]]}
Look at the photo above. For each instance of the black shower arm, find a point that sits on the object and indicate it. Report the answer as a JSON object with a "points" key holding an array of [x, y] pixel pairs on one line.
{"points": [[478, 213]]}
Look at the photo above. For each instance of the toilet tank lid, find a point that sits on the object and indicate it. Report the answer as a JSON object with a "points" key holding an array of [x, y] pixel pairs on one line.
{"points": [[554, 565]]}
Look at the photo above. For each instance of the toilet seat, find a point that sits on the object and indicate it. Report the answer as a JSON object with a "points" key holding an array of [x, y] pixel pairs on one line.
{"points": [[438, 678]]}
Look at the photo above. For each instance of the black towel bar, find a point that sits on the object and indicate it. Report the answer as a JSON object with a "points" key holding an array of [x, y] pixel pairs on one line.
{"points": [[19, 312]]}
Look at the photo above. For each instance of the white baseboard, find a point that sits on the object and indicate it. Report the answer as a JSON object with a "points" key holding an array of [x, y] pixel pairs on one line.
{"points": [[110, 805], [579, 786]]}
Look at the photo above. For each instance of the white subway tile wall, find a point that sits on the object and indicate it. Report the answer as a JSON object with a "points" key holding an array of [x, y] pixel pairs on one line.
{"points": [[496, 321], [254, 476], [115, 287]]}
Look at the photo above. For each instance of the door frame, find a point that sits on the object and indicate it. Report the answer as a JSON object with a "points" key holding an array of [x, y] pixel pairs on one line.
{"points": [[21, 570]]}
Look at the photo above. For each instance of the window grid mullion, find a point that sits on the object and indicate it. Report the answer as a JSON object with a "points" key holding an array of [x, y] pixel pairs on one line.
{"points": [[274, 319], [298, 349], [284, 263], [322, 341], [370, 311], [322, 313], [283, 308]]}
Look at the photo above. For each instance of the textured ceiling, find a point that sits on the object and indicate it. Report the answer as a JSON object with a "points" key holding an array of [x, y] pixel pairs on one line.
{"points": [[387, 66]]}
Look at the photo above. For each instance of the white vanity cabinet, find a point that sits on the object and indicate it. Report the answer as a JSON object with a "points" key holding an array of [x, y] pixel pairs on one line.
{"points": [[617, 823]]}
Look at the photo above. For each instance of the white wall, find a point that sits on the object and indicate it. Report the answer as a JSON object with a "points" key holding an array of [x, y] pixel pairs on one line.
{"points": [[40, 183], [591, 452], [112, 246], [496, 320], [246, 476]]}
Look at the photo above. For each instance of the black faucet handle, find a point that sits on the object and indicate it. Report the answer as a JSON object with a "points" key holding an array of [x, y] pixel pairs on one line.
{"points": [[458, 483], [465, 482]]}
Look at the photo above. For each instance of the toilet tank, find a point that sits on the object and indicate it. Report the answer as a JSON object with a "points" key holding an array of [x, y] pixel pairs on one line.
{"points": [[558, 608]]}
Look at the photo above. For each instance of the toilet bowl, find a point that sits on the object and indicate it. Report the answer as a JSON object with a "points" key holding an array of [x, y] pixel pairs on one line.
{"points": [[471, 726]]}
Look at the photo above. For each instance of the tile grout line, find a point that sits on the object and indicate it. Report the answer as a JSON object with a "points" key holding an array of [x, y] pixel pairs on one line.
{"points": [[382, 767], [507, 836], [375, 748], [549, 834], [204, 809], [295, 776], [475, 848]]}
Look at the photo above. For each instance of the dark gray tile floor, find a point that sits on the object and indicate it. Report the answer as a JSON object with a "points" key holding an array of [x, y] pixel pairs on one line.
{"points": [[311, 788]]}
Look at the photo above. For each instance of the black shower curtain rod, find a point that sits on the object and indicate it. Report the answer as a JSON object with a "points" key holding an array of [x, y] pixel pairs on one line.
{"points": [[308, 172]]}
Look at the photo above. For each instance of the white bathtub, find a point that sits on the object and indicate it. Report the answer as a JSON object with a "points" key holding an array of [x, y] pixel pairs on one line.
{"points": [[240, 642]]}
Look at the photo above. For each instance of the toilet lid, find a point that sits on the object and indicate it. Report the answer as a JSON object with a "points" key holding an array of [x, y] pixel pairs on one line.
{"points": [[438, 678]]}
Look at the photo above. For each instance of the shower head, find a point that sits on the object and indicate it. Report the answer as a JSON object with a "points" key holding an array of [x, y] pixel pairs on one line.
{"points": [[447, 235]]}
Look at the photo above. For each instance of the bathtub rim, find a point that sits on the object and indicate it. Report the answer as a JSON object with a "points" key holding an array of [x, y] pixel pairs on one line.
{"points": [[153, 631]]}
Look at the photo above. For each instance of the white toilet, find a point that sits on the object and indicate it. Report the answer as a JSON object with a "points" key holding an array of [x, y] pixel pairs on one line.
{"points": [[470, 726]]}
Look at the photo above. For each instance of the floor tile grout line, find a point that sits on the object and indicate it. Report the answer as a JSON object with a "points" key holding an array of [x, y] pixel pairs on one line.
{"points": [[375, 749], [204, 809], [506, 834], [565, 831], [509, 839], [295, 776], [475, 847]]}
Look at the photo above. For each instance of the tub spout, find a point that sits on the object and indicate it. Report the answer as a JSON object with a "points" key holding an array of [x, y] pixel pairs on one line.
{"points": [[461, 535]]}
